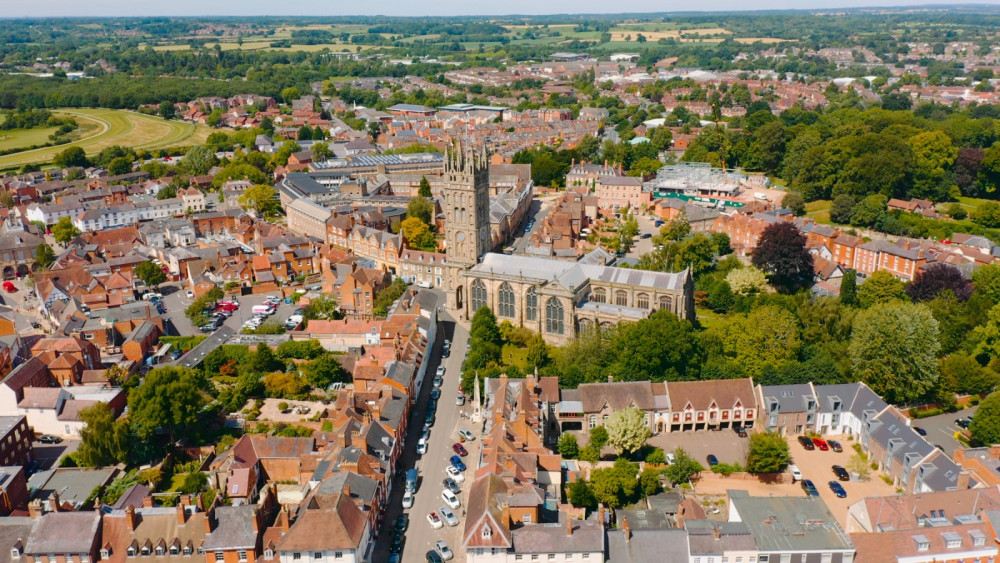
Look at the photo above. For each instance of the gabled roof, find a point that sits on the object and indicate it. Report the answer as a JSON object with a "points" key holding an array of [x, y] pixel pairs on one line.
{"points": [[339, 527]]}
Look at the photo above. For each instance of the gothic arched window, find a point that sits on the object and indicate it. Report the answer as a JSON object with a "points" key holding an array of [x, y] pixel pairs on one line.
{"points": [[479, 298], [531, 305], [505, 301], [554, 316]]}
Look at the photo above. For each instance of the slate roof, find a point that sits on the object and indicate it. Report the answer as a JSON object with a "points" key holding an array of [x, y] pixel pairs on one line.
{"points": [[587, 537], [662, 546], [234, 528], [572, 275], [64, 532]]}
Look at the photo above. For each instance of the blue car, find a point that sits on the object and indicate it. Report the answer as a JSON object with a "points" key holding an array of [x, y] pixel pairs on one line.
{"points": [[838, 489], [457, 462]]}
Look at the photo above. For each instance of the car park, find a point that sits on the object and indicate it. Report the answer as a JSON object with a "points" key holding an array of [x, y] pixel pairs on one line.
{"points": [[407, 499], [806, 443], [448, 516], [457, 463], [821, 444], [450, 499], [809, 488], [443, 549], [712, 460], [466, 435], [838, 489], [452, 486], [434, 520], [459, 449], [454, 474], [841, 473]]}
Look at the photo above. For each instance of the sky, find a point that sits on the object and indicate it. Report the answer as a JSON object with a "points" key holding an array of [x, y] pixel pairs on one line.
{"points": [[112, 8]]}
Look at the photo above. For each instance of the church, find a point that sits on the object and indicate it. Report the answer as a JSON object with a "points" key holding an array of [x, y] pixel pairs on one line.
{"points": [[556, 298]]}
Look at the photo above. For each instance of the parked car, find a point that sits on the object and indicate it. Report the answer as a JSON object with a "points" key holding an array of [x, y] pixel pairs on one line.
{"points": [[421, 447], [457, 462], [402, 522], [434, 520], [963, 423], [450, 499], [49, 439], [712, 460], [740, 431], [445, 551], [838, 489], [466, 435], [429, 418], [920, 430], [397, 543], [809, 488], [454, 474], [796, 474], [189, 294], [457, 448], [407, 499], [433, 557], [460, 399], [646, 235], [440, 371], [436, 393], [806, 443], [821, 444], [451, 485], [835, 445], [438, 381], [841, 473], [448, 516]]}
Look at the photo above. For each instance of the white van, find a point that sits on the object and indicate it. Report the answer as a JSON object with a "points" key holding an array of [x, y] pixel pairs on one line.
{"points": [[262, 309]]}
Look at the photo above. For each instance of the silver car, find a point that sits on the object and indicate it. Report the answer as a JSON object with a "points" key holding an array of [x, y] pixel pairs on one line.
{"points": [[466, 435], [448, 516], [443, 550]]}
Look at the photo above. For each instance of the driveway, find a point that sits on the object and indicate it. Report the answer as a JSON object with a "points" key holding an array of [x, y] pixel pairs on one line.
{"points": [[941, 429], [724, 444]]}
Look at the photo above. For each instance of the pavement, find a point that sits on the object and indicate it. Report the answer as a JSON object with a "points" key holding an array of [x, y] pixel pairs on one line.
{"points": [[941, 429], [420, 537]]}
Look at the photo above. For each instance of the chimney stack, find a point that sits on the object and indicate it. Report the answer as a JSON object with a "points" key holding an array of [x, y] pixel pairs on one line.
{"points": [[600, 515], [130, 517], [505, 514], [627, 530], [347, 490], [716, 533], [181, 514], [54, 504], [569, 525], [611, 378], [35, 509], [147, 501]]}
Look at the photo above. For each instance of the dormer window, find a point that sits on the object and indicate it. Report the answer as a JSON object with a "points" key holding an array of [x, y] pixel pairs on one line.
{"points": [[105, 553], [131, 551], [15, 553], [487, 532], [268, 554]]}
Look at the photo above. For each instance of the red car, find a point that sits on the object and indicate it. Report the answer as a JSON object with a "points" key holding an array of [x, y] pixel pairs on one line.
{"points": [[9, 287], [821, 444], [460, 450]]}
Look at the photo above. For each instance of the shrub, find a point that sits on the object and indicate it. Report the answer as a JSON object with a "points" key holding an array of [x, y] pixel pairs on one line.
{"points": [[656, 457], [727, 468], [283, 406]]}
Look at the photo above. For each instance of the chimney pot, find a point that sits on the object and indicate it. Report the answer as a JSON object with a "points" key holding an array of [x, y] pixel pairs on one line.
{"points": [[130, 517], [181, 514]]}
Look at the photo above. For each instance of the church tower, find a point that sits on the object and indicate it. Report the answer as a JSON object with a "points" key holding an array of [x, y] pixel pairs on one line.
{"points": [[467, 215]]}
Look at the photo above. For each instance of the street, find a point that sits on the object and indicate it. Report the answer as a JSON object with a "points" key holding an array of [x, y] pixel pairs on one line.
{"points": [[539, 209], [420, 536]]}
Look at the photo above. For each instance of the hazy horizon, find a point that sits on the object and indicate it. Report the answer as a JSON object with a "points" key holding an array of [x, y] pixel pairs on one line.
{"points": [[250, 8]]}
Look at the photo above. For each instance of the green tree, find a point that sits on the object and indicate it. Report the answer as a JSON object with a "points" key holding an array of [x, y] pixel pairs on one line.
{"points": [[894, 350], [987, 214], [627, 430], [598, 437], [769, 335], [768, 453], [881, 287], [581, 496], [286, 149], [616, 486], [261, 199], [120, 165], [418, 235], [933, 157], [70, 158], [849, 288], [985, 427], [870, 211], [842, 209], [782, 254], [264, 360], [64, 231], [290, 94], [795, 202], [166, 110], [104, 440], [676, 229], [169, 399], [662, 347], [321, 151], [422, 209], [986, 280], [198, 160], [987, 336], [746, 281], [962, 373], [683, 468], [568, 447], [538, 352], [44, 255], [323, 371], [322, 307], [305, 133], [425, 188], [150, 274]]}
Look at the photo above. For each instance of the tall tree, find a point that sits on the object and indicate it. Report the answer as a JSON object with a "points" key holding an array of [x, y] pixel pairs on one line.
{"points": [[881, 287], [169, 399], [849, 288], [662, 347], [768, 453], [421, 208], [261, 199], [938, 277], [150, 274], [985, 427], [198, 160], [103, 440], [425, 188], [781, 253], [44, 255], [894, 350], [64, 230], [627, 430], [769, 335]]}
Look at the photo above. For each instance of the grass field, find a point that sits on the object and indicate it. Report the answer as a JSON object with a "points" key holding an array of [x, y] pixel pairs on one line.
{"points": [[109, 127], [819, 211]]}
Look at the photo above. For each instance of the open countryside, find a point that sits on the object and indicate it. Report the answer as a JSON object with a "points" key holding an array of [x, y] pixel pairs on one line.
{"points": [[110, 127]]}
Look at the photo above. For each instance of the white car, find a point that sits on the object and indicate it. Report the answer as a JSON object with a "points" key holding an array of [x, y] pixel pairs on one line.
{"points": [[448, 516], [443, 550], [796, 474], [450, 499], [407, 499], [421, 447], [434, 520], [190, 294], [455, 474], [440, 371], [670, 459]]}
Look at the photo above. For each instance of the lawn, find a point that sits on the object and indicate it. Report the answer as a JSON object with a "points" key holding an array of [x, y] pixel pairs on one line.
{"points": [[512, 355], [819, 211], [708, 318], [116, 127], [25, 137], [972, 202]]}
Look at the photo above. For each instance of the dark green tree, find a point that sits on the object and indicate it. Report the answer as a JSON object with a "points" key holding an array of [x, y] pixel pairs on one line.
{"points": [[150, 274], [568, 447], [103, 440], [425, 188], [169, 400], [683, 468], [581, 496], [985, 427], [44, 255], [768, 453], [849, 288]]}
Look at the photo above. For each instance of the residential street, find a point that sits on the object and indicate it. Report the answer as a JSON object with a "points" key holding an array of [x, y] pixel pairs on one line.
{"points": [[420, 536], [539, 209]]}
